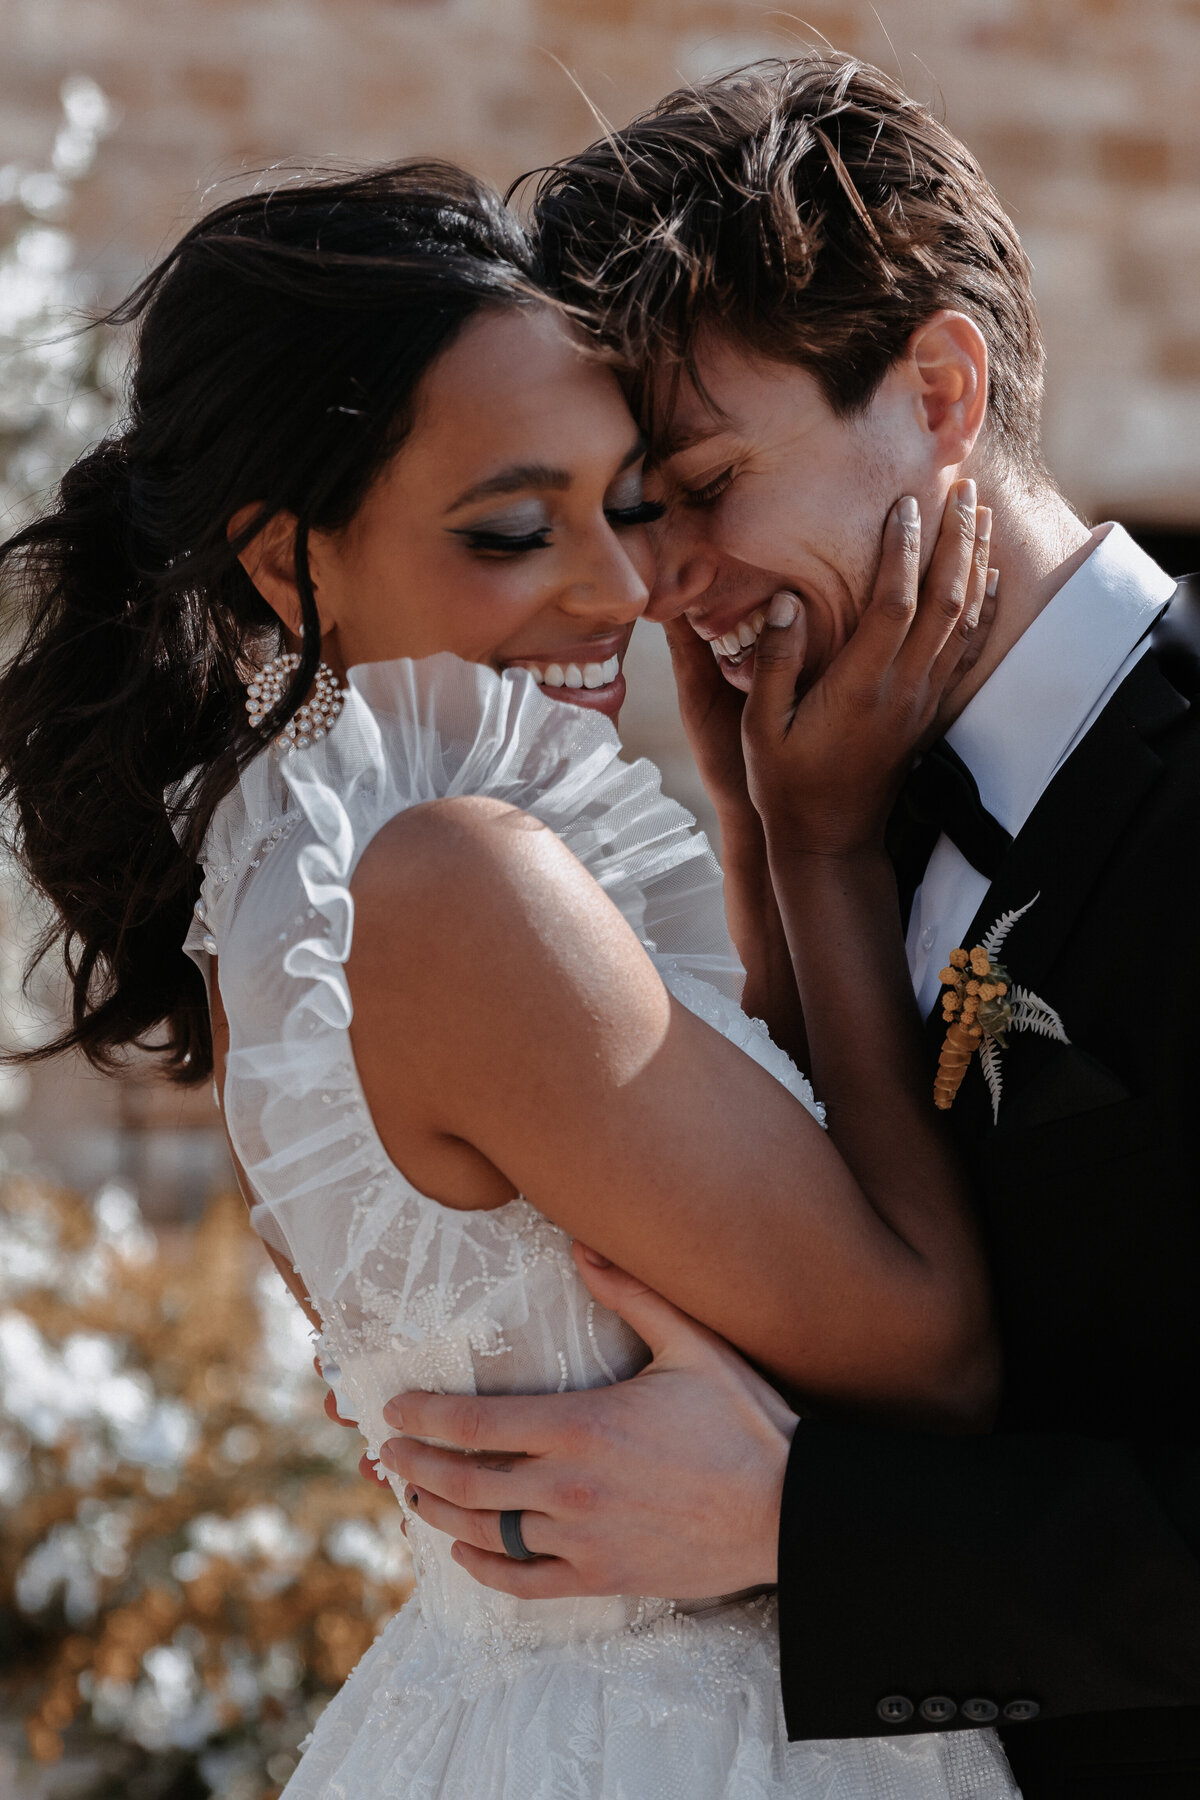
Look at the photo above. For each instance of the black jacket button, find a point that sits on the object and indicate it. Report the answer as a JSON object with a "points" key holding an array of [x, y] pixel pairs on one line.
{"points": [[1018, 1711], [980, 1712], [938, 1710], [894, 1709]]}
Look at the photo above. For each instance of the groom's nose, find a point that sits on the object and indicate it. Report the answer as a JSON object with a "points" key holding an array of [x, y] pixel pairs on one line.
{"points": [[685, 569]]}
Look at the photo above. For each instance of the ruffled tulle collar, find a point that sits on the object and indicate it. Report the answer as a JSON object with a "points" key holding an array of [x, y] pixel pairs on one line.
{"points": [[415, 731]]}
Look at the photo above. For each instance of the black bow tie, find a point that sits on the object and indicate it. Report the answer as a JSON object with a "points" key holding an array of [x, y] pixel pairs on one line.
{"points": [[939, 796]]}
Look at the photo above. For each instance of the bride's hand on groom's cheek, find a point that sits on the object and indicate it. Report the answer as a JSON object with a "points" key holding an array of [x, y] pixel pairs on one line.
{"points": [[669, 1483], [824, 769]]}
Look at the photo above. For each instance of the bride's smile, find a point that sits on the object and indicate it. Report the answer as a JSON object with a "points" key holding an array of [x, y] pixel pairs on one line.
{"points": [[510, 527]]}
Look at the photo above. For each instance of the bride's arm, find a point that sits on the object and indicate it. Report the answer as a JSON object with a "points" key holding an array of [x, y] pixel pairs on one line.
{"points": [[824, 793], [512, 1035]]}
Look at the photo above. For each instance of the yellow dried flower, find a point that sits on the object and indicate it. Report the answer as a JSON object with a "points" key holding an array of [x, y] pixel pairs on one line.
{"points": [[980, 961], [958, 959]]}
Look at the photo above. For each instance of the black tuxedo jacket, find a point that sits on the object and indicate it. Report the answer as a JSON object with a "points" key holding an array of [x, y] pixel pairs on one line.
{"points": [[1047, 1576]]}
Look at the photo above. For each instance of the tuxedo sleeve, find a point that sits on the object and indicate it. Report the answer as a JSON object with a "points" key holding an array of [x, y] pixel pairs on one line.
{"points": [[930, 1582]]}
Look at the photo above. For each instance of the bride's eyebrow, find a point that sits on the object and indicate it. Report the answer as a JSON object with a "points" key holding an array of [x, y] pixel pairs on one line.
{"points": [[514, 481], [539, 476]]}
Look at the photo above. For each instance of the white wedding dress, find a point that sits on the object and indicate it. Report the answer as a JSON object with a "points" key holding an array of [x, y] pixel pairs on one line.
{"points": [[468, 1694]]}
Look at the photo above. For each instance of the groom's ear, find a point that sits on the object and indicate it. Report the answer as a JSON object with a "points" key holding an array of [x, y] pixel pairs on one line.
{"points": [[949, 369]]}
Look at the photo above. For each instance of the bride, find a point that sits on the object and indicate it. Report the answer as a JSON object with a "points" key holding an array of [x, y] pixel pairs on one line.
{"points": [[339, 616]]}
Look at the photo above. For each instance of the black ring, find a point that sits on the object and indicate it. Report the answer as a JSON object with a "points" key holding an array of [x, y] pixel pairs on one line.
{"points": [[510, 1536]]}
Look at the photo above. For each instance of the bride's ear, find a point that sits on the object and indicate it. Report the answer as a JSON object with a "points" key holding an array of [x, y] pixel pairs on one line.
{"points": [[269, 559]]}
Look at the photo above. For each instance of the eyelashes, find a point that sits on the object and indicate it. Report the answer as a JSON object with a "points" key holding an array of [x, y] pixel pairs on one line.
{"points": [[646, 512], [506, 543], [712, 490]]}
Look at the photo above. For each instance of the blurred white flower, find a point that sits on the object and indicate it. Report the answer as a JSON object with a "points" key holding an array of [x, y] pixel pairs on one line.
{"points": [[47, 366], [261, 1533], [359, 1544], [46, 1390], [120, 1225]]}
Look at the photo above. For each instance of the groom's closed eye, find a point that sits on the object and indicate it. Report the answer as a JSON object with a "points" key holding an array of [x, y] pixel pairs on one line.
{"points": [[710, 492]]}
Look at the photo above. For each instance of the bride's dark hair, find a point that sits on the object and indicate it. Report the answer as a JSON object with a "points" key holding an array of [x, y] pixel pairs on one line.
{"points": [[279, 349]]}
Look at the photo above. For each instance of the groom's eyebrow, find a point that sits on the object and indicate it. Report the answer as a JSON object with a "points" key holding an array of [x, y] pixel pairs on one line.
{"points": [[522, 476], [675, 440]]}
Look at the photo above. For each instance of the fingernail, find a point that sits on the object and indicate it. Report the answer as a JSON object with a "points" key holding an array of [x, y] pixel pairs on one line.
{"points": [[967, 496], [782, 611], [387, 1455], [414, 1499], [910, 512], [594, 1257], [983, 524], [993, 582], [391, 1413], [456, 1552]]}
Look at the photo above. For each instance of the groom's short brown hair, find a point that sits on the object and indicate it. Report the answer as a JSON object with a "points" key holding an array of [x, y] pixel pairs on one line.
{"points": [[810, 209]]}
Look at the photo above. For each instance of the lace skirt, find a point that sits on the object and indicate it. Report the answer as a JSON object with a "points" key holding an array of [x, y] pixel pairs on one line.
{"points": [[667, 1717]]}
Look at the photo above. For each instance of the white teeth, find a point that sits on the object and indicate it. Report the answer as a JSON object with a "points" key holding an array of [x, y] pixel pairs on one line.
{"points": [[735, 643], [591, 675]]}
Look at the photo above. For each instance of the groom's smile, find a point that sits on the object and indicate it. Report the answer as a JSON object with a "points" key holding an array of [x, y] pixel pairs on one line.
{"points": [[768, 488]]}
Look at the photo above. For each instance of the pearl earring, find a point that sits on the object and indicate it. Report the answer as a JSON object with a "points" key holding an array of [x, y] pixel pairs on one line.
{"points": [[310, 721]]}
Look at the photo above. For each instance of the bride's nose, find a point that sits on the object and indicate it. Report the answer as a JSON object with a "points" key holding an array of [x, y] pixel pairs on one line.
{"points": [[611, 587]]}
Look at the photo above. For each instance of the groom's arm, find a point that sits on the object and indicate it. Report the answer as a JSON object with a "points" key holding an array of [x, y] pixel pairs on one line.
{"points": [[1057, 1571], [1048, 1575]]}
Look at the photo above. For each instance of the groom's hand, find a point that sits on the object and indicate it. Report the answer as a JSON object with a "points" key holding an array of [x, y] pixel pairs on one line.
{"points": [[667, 1484]]}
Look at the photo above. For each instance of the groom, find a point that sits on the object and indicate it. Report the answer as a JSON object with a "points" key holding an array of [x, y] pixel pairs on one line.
{"points": [[830, 309]]}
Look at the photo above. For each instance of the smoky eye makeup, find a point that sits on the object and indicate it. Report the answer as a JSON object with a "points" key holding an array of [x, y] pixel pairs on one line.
{"points": [[517, 528]]}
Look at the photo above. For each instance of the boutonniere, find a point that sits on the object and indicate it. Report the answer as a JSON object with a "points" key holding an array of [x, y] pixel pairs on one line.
{"points": [[981, 1005]]}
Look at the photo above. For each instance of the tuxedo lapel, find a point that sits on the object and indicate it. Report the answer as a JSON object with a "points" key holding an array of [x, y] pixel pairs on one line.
{"points": [[1076, 825]]}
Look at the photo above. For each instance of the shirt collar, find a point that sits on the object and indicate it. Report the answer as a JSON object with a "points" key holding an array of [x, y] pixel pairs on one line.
{"points": [[1013, 733]]}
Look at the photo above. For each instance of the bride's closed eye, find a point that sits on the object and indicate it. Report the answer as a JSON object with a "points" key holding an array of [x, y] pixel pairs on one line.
{"points": [[512, 533], [492, 540], [644, 513], [627, 504]]}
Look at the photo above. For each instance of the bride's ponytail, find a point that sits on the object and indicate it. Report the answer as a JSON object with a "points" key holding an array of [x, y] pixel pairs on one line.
{"points": [[280, 347]]}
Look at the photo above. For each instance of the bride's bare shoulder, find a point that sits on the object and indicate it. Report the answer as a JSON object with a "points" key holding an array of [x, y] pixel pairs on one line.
{"points": [[471, 896]]}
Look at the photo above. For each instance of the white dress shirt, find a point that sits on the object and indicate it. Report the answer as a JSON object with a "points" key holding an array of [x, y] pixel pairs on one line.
{"points": [[1027, 718]]}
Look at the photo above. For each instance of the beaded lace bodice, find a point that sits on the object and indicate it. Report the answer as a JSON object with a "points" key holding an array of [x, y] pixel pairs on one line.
{"points": [[412, 1293], [469, 1692]]}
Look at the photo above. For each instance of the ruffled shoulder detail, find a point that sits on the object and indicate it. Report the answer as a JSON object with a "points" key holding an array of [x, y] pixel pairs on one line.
{"points": [[412, 1293], [415, 731], [276, 905]]}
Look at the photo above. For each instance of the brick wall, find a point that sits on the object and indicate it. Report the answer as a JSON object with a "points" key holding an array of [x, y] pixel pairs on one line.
{"points": [[1084, 113]]}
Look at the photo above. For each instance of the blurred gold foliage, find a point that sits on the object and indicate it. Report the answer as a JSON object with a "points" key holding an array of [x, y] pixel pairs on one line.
{"points": [[190, 1563]]}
